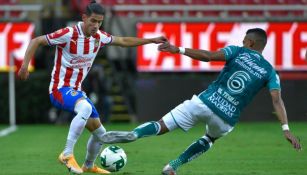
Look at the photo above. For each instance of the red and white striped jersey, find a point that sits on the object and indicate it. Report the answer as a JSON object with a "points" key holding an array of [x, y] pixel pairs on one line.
{"points": [[74, 55]]}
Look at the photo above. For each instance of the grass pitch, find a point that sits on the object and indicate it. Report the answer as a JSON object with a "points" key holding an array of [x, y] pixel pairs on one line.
{"points": [[251, 149]]}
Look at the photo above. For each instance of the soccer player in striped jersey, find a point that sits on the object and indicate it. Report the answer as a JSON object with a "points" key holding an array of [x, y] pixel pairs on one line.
{"points": [[245, 73], [76, 49]]}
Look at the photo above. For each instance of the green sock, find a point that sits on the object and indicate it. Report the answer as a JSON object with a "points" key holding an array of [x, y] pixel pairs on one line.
{"points": [[194, 150], [147, 129]]}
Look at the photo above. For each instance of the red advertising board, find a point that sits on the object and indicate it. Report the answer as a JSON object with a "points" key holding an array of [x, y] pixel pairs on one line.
{"points": [[285, 50], [14, 39]]}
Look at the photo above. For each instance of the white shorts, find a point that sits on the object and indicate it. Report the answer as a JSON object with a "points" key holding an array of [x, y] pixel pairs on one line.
{"points": [[190, 112]]}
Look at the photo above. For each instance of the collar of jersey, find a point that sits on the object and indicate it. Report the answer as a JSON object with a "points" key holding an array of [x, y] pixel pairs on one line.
{"points": [[80, 31], [255, 52]]}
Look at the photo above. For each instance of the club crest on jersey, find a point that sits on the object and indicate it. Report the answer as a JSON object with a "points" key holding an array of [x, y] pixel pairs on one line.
{"points": [[73, 93], [96, 42]]}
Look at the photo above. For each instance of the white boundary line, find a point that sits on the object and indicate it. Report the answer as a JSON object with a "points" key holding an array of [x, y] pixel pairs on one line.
{"points": [[7, 131]]}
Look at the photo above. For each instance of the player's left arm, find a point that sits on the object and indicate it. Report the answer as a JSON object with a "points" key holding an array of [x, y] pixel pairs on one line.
{"points": [[133, 41], [197, 54], [281, 113]]}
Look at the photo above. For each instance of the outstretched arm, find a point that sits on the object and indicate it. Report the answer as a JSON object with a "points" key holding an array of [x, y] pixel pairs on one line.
{"points": [[133, 41], [201, 55], [23, 73], [282, 116]]}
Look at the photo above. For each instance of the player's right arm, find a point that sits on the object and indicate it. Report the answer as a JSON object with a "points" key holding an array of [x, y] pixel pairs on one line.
{"points": [[279, 107], [23, 72], [282, 116], [201, 55], [60, 36]]}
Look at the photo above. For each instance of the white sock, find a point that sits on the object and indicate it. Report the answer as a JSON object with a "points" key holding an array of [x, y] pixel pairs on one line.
{"points": [[94, 146], [83, 110]]}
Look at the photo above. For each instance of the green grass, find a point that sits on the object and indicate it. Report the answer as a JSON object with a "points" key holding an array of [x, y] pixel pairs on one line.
{"points": [[251, 149]]}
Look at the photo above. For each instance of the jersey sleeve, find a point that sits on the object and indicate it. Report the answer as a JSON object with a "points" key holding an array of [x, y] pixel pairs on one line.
{"points": [[60, 36], [274, 81], [105, 38], [230, 52]]}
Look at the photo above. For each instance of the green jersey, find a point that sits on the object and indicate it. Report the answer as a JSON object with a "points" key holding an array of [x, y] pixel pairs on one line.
{"points": [[245, 73]]}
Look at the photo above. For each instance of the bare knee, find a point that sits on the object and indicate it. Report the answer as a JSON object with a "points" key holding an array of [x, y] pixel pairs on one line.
{"points": [[92, 124], [163, 129]]}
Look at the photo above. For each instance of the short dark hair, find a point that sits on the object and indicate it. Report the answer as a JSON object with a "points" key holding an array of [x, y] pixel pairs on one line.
{"points": [[94, 7], [259, 34]]}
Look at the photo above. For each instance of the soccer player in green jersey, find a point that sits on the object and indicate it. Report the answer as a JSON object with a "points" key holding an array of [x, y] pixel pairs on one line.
{"points": [[245, 73]]}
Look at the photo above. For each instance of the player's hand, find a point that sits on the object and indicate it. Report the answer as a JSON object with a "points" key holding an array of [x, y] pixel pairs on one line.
{"points": [[158, 40], [23, 73], [293, 140], [167, 47]]}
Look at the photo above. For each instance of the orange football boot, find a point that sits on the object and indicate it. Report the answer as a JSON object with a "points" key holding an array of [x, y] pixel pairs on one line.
{"points": [[71, 163], [95, 169]]}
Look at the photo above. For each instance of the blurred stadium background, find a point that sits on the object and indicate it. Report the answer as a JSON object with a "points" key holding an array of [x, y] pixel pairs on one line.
{"points": [[141, 84]]}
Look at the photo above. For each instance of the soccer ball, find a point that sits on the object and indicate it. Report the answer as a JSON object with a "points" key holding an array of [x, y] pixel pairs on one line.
{"points": [[113, 158]]}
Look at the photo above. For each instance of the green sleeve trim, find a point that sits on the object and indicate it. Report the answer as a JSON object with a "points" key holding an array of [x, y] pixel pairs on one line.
{"points": [[275, 89]]}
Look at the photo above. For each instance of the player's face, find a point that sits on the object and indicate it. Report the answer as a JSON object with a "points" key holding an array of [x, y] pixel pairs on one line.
{"points": [[92, 23]]}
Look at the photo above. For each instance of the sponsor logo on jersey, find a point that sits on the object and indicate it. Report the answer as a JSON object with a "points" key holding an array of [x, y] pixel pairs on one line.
{"points": [[79, 62], [227, 96], [249, 64], [222, 104], [237, 82]]}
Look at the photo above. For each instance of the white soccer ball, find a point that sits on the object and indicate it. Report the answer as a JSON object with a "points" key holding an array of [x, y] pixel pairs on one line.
{"points": [[113, 158]]}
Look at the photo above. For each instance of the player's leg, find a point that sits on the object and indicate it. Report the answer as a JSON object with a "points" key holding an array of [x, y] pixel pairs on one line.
{"points": [[73, 101], [150, 129], [83, 111], [147, 129], [197, 148], [216, 128], [144, 130], [178, 117], [94, 143]]}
